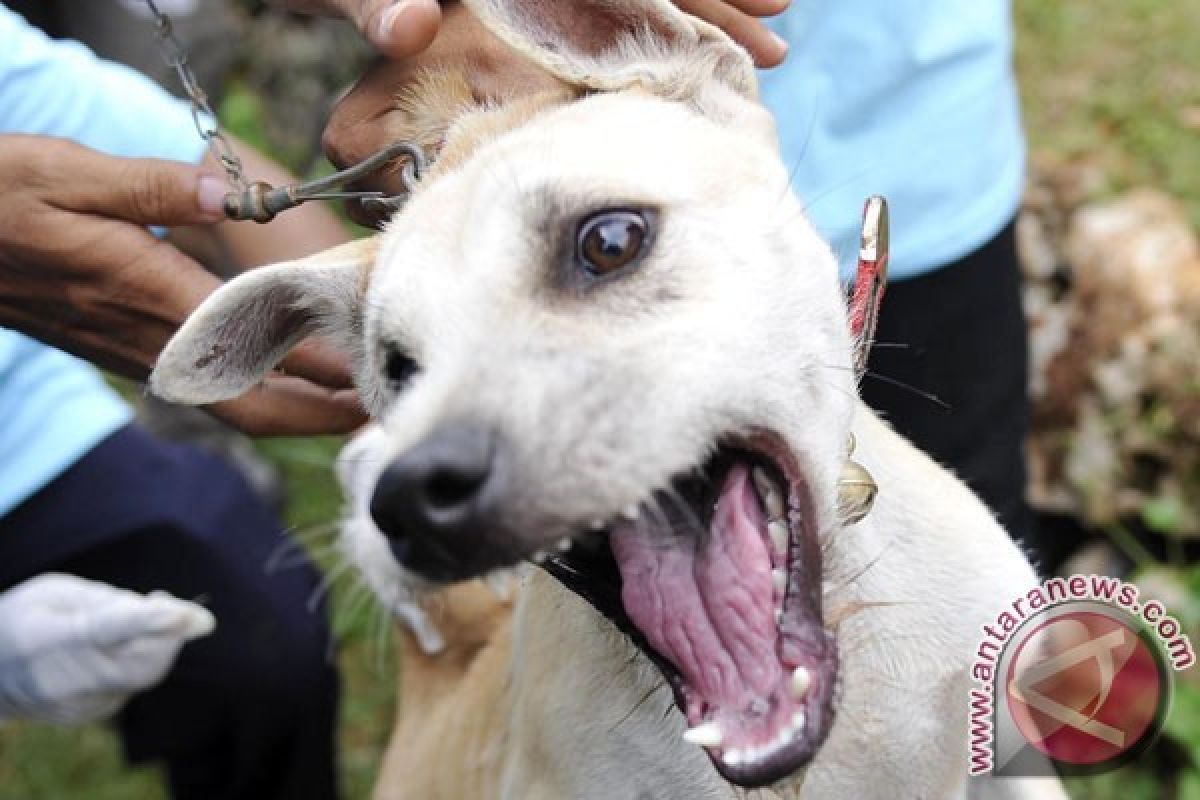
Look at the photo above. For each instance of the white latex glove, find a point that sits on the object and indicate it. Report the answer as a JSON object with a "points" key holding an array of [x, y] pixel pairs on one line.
{"points": [[73, 650]]}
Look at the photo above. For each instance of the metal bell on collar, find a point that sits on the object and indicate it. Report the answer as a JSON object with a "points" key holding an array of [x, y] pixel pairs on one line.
{"points": [[856, 493]]}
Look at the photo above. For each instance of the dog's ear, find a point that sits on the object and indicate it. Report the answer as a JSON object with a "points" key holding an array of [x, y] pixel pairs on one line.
{"points": [[608, 45], [247, 326]]}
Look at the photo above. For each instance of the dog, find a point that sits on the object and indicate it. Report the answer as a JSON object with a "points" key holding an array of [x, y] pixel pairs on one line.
{"points": [[601, 337]]}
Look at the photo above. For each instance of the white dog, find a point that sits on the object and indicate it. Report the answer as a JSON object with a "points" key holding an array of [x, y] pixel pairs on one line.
{"points": [[603, 337]]}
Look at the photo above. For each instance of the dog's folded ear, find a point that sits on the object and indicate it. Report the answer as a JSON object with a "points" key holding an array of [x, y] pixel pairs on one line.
{"points": [[247, 326], [609, 45]]}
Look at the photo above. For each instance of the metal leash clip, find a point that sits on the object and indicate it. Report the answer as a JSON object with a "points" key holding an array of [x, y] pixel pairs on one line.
{"points": [[870, 280], [262, 202]]}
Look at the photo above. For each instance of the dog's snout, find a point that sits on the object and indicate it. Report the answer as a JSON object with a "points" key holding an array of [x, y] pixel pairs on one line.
{"points": [[435, 501]]}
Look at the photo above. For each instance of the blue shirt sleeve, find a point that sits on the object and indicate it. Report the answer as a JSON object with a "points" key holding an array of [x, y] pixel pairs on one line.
{"points": [[55, 408], [60, 88]]}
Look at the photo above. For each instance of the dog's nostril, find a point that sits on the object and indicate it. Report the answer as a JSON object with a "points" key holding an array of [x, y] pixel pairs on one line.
{"points": [[435, 489], [450, 488]]}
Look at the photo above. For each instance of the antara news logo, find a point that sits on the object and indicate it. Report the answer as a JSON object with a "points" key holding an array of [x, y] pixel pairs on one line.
{"points": [[1075, 678]]}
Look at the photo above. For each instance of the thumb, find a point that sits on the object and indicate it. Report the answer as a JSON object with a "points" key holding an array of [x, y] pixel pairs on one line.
{"points": [[156, 615], [397, 28], [145, 191]]}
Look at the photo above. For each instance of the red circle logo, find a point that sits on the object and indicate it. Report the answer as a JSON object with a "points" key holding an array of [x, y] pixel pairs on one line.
{"points": [[1084, 688]]}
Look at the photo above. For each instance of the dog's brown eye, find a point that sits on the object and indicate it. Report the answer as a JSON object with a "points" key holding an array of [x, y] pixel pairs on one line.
{"points": [[611, 240]]}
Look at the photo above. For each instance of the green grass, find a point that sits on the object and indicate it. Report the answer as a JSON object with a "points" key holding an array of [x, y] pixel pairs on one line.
{"points": [[1116, 82], [1113, 81]]}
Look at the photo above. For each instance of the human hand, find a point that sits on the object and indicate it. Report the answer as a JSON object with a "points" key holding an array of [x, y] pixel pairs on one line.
{"points": [[79, 270], [403, 28], [741, 20], [368, 118], [73, 650]]}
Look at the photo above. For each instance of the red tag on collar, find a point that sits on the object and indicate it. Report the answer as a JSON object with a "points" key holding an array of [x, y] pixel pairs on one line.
{"points": [[870, 280]]}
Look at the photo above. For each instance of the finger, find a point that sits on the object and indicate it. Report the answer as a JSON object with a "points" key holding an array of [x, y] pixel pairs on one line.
{"points": [[145, 191], [399, 28], [760, 8], [128, 616], [287, 406], [182, 618], [320, 363], [767, 48]]}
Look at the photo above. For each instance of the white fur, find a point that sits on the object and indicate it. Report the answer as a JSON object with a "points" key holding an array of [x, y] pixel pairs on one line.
{"points": [[735, 320]]}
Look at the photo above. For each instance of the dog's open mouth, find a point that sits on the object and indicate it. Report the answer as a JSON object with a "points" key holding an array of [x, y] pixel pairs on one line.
{"points": [[718, 581]]}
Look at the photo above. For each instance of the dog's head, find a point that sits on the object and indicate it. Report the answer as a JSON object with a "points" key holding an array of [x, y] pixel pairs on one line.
{"points": [[606, 340]]}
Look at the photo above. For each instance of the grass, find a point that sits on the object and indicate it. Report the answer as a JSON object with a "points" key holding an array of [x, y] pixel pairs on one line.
{"points": [[1116, 82], [1113, 81]]}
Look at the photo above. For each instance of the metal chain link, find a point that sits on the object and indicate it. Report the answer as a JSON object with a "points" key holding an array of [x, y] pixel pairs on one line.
{"points": [[259, 201], [176, 56]]}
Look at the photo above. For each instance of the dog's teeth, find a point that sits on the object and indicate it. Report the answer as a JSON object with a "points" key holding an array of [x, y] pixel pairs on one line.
{"points": [[597, 524], [707, 734], [801, 682], [733, 758], [779, 536], [631, 512], [771, 496], [564, 544], [539, 557], [779, 578], [798, 720]]}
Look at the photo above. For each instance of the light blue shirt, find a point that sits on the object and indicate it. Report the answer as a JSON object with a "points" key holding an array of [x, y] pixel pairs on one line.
{"points": [[912, 99], [55, 408]]}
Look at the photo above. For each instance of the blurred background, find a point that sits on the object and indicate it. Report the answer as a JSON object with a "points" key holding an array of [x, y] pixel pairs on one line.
{"points": [[1111, 95]]}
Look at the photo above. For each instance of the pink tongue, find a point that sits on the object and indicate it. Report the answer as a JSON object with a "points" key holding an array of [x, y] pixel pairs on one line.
{"points": [[704, 600]]}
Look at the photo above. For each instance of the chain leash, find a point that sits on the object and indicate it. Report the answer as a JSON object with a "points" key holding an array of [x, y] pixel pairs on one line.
{"points": [[260, 201], [174, 53]]}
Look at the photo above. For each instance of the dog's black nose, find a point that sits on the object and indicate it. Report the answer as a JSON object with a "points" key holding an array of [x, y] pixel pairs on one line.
{"points": [[435, 501]]}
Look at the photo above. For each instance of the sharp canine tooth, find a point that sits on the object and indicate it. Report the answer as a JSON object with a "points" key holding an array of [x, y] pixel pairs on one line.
{"points": [[564, 544], [733, 758], [769, 492], [631, 512], [779, 577], [540, 556], [798, 720], [801, 682], [597, 524], [779, 536], [707, 734]]}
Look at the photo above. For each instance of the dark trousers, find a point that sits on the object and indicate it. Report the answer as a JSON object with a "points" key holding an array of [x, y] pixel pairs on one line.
{"points": [[959, 334], [248, 712]]}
